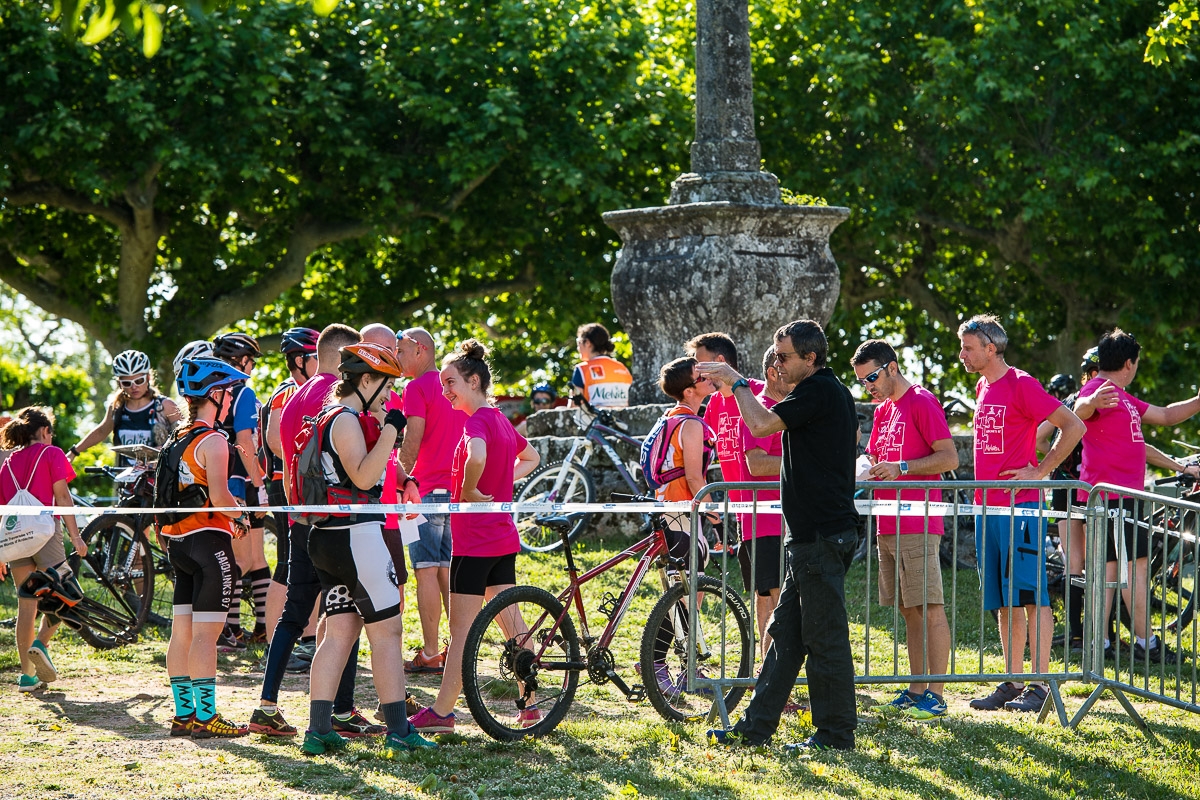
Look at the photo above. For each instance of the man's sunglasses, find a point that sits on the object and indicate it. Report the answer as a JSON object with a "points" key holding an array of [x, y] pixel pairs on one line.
{"points": [[129, 383], [874, 376], [976, 328]]}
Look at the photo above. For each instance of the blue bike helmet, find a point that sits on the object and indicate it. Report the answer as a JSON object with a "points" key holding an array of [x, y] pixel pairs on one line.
{"points": [[544, 388], [197, 377]]}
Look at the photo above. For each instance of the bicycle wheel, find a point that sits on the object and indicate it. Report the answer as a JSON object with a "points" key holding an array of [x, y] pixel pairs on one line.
{"points": [[117, 573], [534, 669], [560, 482], [1173, 584], [724, 626]]}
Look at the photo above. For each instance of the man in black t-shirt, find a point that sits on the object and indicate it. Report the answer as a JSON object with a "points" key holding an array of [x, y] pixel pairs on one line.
{"points": [[820, 431]]}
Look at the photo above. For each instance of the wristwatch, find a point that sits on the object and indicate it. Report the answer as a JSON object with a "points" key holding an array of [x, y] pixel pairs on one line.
{"points": [[410, 479], [739, 383], [903, 467]]}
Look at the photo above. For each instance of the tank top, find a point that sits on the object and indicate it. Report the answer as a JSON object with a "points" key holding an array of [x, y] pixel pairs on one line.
{"points": [[192, 473], [336, 476], [678, 489]]}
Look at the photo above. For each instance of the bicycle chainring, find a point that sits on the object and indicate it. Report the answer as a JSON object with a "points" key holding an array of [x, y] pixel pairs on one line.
{"points": [[600, 662]]}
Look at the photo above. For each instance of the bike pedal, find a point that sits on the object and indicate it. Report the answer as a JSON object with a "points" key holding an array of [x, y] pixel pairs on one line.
{"points": [[637, 693], [608, 606]]}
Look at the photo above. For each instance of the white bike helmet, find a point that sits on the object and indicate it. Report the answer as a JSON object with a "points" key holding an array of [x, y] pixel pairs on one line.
{"points": [[201, 348], [131, 362]]}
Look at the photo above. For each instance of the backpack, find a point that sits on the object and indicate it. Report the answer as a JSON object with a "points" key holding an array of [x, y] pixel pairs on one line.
{"points": [[306, 473], [655, 469], [21, 536], [167, 493]]}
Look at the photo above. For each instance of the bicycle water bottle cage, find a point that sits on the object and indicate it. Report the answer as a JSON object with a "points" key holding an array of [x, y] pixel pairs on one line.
{"points": [[608, 606]]}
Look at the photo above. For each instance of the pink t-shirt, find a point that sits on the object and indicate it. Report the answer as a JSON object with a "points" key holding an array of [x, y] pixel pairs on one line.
{"points": [[391, 488], [443, 430], [1114, 450], [53, 467], [487, 534], [768, 524], [725, 419], [307, 401], [905, 431], [1007, 416]]}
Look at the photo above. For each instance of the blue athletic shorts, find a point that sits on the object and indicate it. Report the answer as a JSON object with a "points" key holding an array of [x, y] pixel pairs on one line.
{"points": [[992, 549]]}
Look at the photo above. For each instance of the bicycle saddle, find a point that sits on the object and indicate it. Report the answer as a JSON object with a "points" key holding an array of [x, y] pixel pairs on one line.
{"points": [[560, 524]]}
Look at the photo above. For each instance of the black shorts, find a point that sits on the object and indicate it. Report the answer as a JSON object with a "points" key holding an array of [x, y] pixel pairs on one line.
{"points": [[766, 564], [395, 546], [474, 574], [1137, 537], [356, 571], [677, 543], [283, 547], [204, 565]]}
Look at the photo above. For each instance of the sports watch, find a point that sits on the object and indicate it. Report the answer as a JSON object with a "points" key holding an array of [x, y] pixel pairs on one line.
{"points": [[740, 382], [903, 467]]}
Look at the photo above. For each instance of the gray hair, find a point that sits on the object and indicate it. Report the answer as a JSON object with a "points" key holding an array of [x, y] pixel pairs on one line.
{"points": [[988, 328]]}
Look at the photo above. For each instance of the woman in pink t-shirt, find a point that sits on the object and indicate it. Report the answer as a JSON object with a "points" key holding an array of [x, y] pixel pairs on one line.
{"points": [[489, 459], [43, 469]]}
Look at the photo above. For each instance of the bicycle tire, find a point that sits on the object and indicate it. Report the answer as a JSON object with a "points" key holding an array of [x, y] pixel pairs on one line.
{"points": [[118, 574], [665, 679], [1173, 584], [492, 662], [577, 486]]}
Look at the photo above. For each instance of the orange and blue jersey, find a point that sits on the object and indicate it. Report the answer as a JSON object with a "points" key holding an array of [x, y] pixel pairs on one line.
{"points": [[678, 489], [191, 473], [604, 382]]}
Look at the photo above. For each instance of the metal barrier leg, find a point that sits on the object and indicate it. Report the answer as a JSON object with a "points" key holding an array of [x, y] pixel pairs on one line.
{"points": [[1054, 696], [1087, 705], [1133, 714]]}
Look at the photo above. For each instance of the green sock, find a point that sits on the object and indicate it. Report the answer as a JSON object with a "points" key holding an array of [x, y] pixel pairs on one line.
{"points": [[181, 689], [205, 692]]}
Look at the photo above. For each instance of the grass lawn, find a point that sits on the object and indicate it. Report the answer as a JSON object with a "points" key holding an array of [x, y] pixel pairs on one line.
{"points": [[100, 732]]}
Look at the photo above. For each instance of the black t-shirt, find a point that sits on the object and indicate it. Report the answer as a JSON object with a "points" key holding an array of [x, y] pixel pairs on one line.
{"points": [[817, 478]]}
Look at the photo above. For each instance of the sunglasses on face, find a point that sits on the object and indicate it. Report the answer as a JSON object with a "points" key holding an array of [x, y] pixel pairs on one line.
{"points": [[874, 376], [128, 383], [541, 402]]}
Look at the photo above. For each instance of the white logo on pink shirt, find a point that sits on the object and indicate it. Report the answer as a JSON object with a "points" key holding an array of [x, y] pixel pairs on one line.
{"points": [[728, 435], [989, 429], [1135, 421], [891, 440]]}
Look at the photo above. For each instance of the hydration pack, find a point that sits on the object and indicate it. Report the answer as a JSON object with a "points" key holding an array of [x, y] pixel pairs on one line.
{"points": [[309, 485], [167, 493], [656, 446]]}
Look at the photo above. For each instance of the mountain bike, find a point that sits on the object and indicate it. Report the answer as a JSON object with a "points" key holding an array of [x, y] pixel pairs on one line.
{"points": [[570, 480], [523, 651], [122, 561], [1173, 557]]}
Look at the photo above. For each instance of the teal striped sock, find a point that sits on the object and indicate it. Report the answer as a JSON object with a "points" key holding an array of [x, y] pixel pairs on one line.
{"points": [[181, 690], [205, 692]]}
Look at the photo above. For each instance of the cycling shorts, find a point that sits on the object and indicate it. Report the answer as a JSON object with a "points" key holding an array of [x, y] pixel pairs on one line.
{"points": [[204, 565], [356, 571], [474, 574]]}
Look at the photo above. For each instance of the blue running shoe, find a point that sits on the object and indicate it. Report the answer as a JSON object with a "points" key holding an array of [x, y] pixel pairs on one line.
{"points": [[903, 701], [928, 706]]}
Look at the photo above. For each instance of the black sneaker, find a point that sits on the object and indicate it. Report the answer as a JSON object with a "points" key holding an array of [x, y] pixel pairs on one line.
{"points": [[231, 641], [1159, 653], [1032, 699], [995, 701], [270, 723]]}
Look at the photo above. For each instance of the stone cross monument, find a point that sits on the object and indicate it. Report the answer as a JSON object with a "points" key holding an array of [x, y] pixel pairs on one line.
{"points": [[725, 254]]}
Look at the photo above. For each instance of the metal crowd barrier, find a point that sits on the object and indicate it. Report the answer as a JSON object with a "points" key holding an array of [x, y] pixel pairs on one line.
{"points": [[975, 655]]}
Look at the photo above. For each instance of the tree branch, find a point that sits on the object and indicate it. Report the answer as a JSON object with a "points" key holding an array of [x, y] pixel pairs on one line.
{"points": [[525, 280], [139, 252], [44, 193], [307, 236], [47, 297]]}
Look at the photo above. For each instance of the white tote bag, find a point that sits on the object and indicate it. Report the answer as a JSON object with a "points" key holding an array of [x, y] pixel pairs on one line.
{"points": [[22, 536]]}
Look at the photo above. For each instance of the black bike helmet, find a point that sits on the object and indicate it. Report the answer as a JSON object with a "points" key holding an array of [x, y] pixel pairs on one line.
{"points": [[1061, 386], [1091, 361], [235, 345], [299, 340]]}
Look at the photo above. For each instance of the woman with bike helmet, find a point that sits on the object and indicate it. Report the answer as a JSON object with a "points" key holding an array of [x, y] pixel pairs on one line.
{"points": [[358, 576], [137, 414], [200, 548], [541, 398], [39, 467], [489, 459]]}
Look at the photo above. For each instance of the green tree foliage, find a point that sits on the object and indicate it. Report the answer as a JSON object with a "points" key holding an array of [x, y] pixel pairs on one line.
{"points": [[1175, 32], [64, 389], [1013, 158], [450, 159]]}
